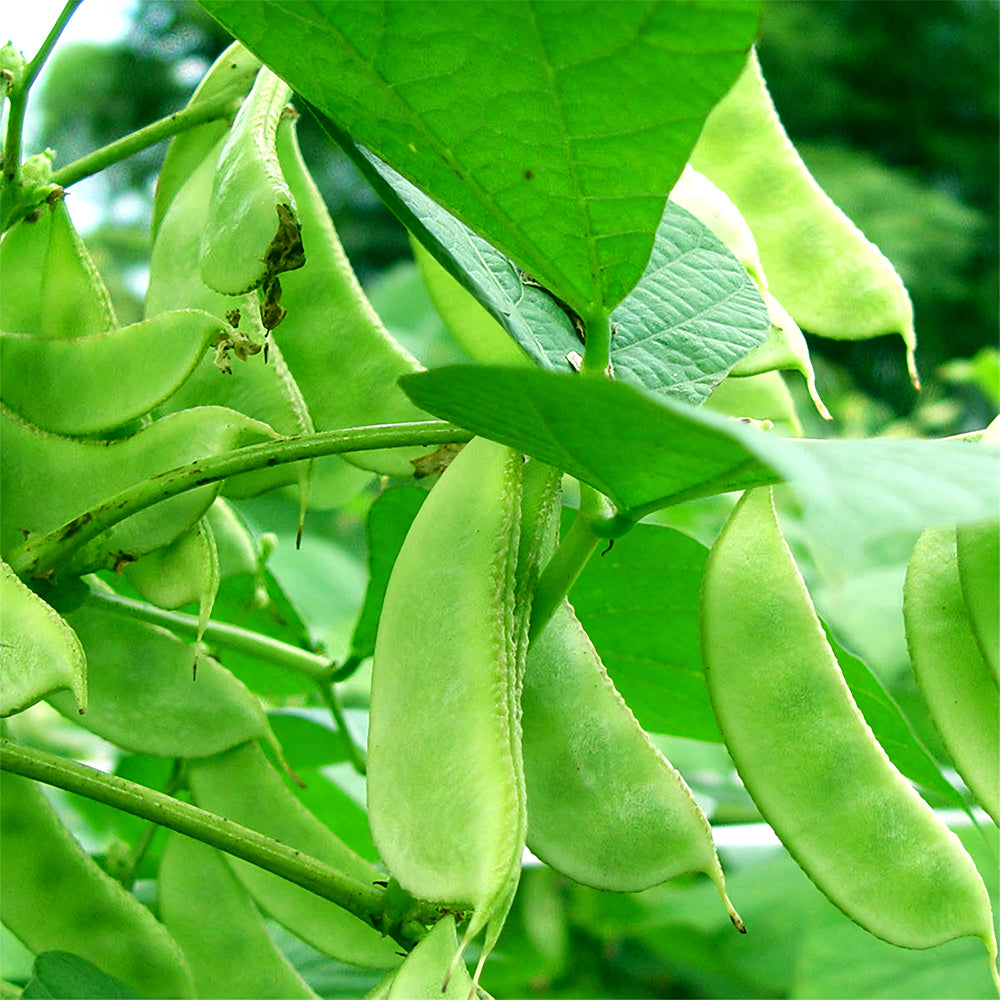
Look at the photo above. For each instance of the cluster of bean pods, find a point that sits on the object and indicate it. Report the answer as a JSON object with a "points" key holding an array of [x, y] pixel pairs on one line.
{"points": [[480, 745], [816, 772]]}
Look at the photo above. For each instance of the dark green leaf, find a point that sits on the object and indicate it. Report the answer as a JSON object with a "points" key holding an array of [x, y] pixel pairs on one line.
{"points": [[554, 130], [642, 452], [63, 975], [693, 315], [389, 519], [891, 729], [639, 604]]}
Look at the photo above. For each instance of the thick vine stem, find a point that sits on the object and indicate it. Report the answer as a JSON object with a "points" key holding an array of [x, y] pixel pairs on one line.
{"points": [[587, 531], [368, 902], [43, 555]]}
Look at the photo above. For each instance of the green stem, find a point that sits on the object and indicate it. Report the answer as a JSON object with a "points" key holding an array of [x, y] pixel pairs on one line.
{"points": [[312, 665], [587, 531], [597, 352], [19, 95], [332, 702], [365, 901], [222, 106], [43, 555]]}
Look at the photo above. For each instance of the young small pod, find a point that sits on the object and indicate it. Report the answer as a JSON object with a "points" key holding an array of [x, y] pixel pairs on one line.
{"points": [[251, 233], [421, 974], [605, 807], [445, 783], [51, 286], [850, 820]]}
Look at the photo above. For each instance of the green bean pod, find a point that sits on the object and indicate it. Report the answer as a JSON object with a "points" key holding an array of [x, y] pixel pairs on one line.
{"points": [[93, 384], [330, 326], [145, 697], [51, 286], [605, 807], [421, 974], [808, 758], [243, 787], [39, 652], [251, 233], [47, 480], [819, 265], [445, 784], [54, 897], [221, 932], [232, 73], [957, 686]]}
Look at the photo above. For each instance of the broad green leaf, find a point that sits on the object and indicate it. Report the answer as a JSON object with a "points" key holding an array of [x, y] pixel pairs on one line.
{"points": [[39, 652], [89, 385], [640, 451], [553, 130], [861, 500], [389, 519], [639, 603], [694, 313]]}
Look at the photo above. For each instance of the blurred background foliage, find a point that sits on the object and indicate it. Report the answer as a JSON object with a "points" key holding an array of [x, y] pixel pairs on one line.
{"points": [[892, 105], [894, 108]]}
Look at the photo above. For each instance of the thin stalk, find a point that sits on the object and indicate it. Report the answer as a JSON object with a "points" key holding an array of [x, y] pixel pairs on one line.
{"points": [[221, 106], [45, 554], [368, 902], [19, 95], [126, 875], [354, 753], [588, 530], [312, 665]]}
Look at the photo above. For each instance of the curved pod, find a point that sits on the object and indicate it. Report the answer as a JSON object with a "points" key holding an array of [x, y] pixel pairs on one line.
{"points": [[809, 760], [605, 807], [445, 783], [957, 685]]}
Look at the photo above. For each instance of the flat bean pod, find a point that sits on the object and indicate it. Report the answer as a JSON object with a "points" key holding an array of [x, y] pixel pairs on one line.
{"points": [[819, 265], [422, 973], [39, 652], [143, 697], [242, 786], [233, 73], [852, 822], [47, 479], [330, 326], [92, 384], [54, 897], [251, 233], [978, 550], [445, 782], [221, 932], [958, 687], [605, 807], [51, 286]]}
